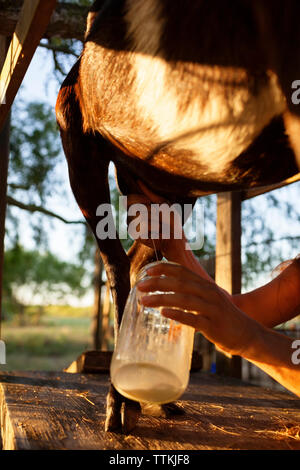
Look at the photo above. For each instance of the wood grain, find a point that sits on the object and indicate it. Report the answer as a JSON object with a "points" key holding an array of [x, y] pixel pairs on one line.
{"points": [[55, 411]]}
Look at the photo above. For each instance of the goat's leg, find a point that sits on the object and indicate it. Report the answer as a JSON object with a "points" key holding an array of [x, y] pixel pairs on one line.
{"points": [[120, 412], [88, 159]]}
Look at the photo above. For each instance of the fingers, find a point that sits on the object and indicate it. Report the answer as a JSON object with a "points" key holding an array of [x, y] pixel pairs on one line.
{"points": [[167, 277], [177, 300], [178, 272], [198, 322], [168, 284]]}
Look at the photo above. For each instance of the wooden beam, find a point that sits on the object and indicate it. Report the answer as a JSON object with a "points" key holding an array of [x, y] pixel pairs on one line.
{"points": [[97, 316], [34, 18], [228, 263], [265, 189], [4, 155]]}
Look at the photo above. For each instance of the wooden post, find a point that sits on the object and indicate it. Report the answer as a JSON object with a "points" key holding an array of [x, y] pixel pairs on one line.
{"points": [[4, 155], [107, 337], [97, 330], [228, 263]]}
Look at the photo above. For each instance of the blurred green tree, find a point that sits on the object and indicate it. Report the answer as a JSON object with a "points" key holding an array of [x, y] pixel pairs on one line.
{"points": [[35, 156], [31, 276]]}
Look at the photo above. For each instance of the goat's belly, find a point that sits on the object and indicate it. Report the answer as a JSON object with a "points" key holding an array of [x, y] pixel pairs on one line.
{"points": [[188, 119]]}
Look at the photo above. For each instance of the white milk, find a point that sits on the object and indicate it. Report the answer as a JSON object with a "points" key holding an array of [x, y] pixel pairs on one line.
{"points": [[146, 382]]}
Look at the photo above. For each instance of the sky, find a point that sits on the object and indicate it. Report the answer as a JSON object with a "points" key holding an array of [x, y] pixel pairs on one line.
{"points": [[41, 85]]}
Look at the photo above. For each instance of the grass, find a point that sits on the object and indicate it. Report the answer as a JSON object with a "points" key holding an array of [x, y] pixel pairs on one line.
{"points": [[60, 336]]}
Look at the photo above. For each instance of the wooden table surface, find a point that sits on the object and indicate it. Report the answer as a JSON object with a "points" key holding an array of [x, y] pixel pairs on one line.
{"points": [[49, 410]]}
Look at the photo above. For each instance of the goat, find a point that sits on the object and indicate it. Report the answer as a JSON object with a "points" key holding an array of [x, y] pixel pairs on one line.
{"points": [[190, 98]]}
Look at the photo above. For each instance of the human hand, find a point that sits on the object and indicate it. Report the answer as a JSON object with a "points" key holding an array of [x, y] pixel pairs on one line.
{"points": [[150, 227], [194, 301]]}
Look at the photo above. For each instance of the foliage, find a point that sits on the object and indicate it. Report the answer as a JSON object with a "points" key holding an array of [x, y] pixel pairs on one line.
{"points": [[41, 273], [64, 51], [270, 226], [34, 180], [35, 153], [35, 150]]}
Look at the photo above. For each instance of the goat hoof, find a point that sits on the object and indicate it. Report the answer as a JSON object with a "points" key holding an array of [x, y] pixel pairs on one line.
{"points": [[130, 413], [113, 410], [121, 414]]}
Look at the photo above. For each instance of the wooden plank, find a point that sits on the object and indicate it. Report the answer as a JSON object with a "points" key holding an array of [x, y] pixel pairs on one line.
{"points": [[250, 193], [56, 411], [228, 263], [34, 18], [91, 362], [4, 156]]}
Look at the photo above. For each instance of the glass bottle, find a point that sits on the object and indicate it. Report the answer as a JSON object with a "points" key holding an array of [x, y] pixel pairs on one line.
{"points": [[152, 358]]}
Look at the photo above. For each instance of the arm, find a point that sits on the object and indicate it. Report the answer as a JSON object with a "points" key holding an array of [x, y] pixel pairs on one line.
{"points": [[194, 301], [272, 352], [272, 304], [275, 302]]}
